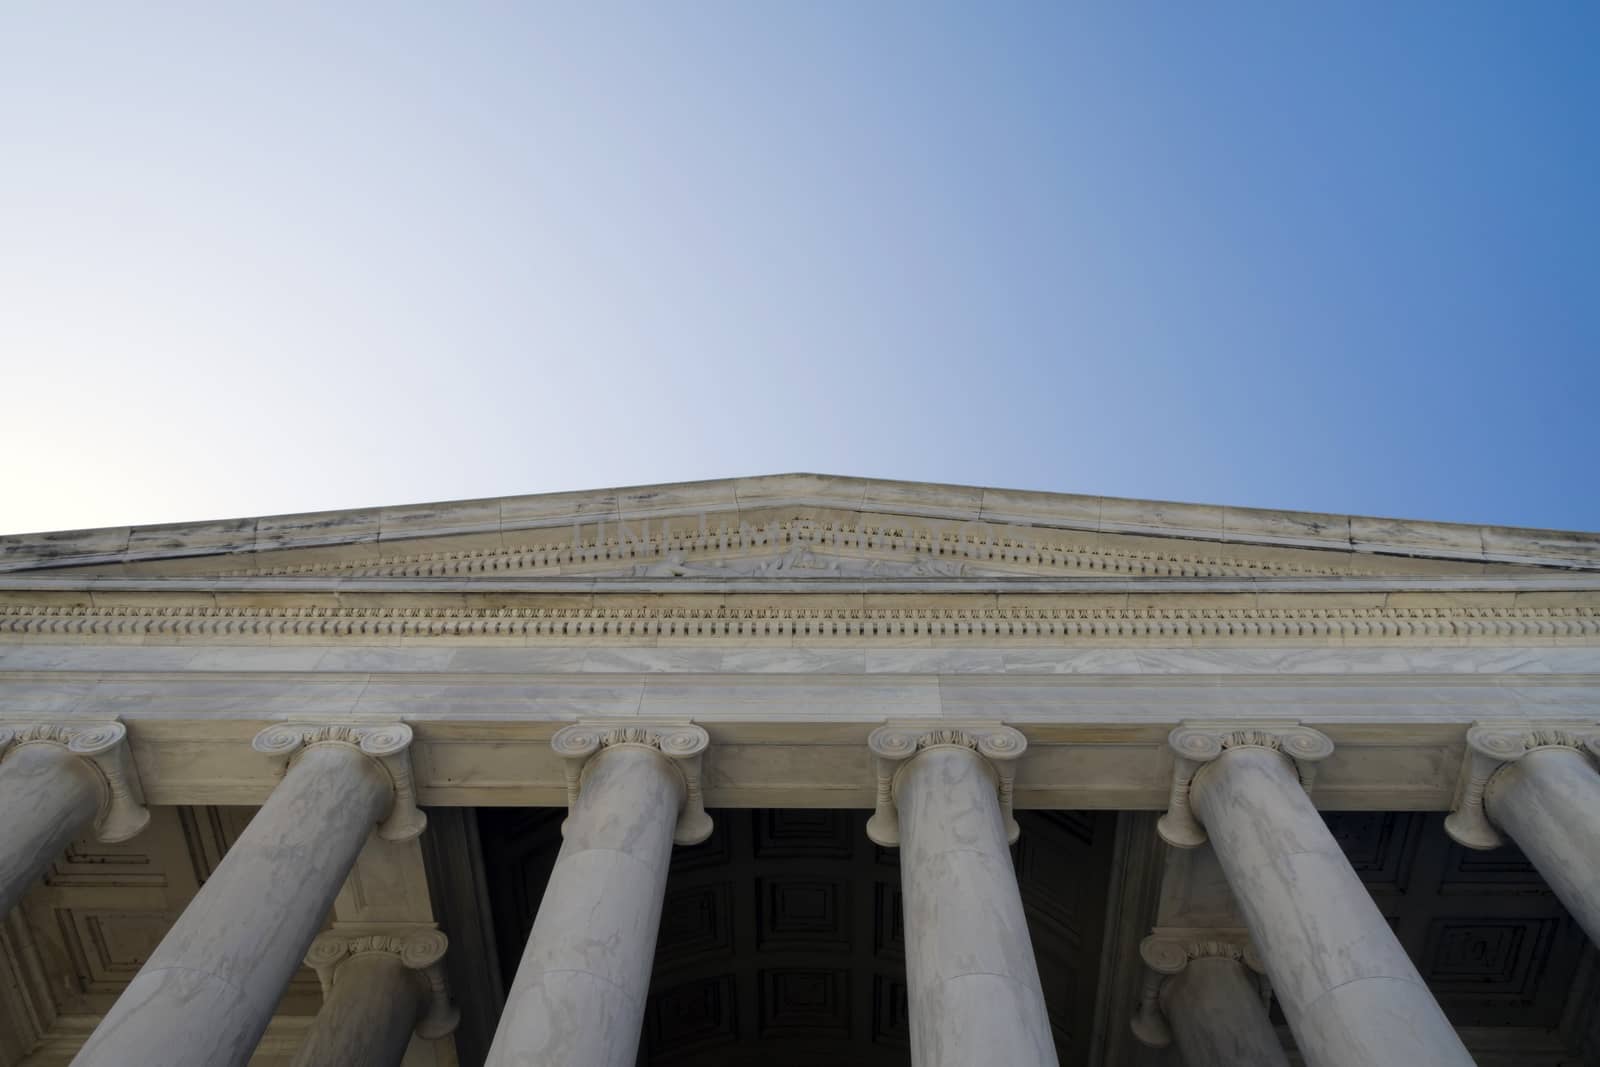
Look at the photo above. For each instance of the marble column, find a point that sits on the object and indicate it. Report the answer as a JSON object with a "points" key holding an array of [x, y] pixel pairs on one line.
{"points": [[57, 781], [944, 797], [1348, 989], [1204, 993], [378, 988], [208, 990], [579, 993], [1540, 785]]}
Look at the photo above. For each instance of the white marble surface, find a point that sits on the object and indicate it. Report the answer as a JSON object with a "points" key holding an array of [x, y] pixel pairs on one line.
{"points": [[1549, 802], [972, 982], [208, 991], [1217, 1016], [196, 654], [779, 739], [1349, 991], [367, 1018], [48, 799], [579, 993]]}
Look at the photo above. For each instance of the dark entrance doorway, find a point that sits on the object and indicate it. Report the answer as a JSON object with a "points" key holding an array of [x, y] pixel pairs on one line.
{"points": [[782, 938]]}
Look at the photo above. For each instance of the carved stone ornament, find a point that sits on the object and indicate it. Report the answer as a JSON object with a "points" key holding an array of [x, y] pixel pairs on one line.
{"points": [[388, 744], [1198, 743], [1167, 952], [681, 743], [1490, 747], [103, 746], [894, 746], [419, 949]]}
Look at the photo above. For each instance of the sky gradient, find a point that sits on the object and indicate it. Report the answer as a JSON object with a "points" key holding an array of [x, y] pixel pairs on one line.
{"points": [[276, 259]]}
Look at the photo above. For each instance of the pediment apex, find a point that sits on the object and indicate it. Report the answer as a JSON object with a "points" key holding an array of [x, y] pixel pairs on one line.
{"points": [[507, 523]]}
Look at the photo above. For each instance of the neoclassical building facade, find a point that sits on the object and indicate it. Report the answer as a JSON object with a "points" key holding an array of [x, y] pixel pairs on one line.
{"points": [[800, 769]]}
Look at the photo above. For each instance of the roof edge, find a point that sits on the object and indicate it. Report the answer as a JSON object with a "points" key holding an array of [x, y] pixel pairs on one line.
{"points": [[871, 496]]}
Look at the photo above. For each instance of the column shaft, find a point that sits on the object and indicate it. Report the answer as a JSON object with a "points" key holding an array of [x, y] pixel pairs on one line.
{"points": [[368, 1016], [1349, 991], [209, 989], [972, 981], [1549, 802], [1217, 1017], [579, 993], [49, 798]]}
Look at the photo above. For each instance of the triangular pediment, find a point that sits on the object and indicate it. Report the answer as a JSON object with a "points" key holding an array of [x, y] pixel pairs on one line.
{"points": [[804, 547], [796, 527]]}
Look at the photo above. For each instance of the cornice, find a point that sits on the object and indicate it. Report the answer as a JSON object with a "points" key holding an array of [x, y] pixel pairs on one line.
{"points": [[1541, 583], [746, 497]]}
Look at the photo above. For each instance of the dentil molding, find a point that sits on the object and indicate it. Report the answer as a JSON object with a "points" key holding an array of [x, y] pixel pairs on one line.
{"points": [[419, 948], [388, 744], [188, 621], [904, 548], [682, 745], [103, 746], [1167, 952], [1196, 744], [1490, 747], [894, 746]]}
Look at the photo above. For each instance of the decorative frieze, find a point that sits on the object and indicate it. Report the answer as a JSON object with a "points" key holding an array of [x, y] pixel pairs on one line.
{"points": [[720, 621], [1196, 744], [1168, 952], [387, 743], [683, 745], [103, 746], [893, 746], [418, 948], [1490, 747], [926, 550]]}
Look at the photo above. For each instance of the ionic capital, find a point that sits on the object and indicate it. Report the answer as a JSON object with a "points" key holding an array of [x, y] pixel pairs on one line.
{"points": [[386, 744], [418, 948], [1491, 746], [893, 748], [681, 744], [1168, 952], [102, 746], [1196, 744]]}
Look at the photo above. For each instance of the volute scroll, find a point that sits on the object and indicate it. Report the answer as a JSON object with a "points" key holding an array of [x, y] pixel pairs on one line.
{"points": [[894, 746], [103, 747], [682, 744], [1196, 744]]}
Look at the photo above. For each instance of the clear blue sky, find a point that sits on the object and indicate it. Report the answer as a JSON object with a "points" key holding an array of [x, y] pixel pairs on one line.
{"points": [[271, 258]]}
